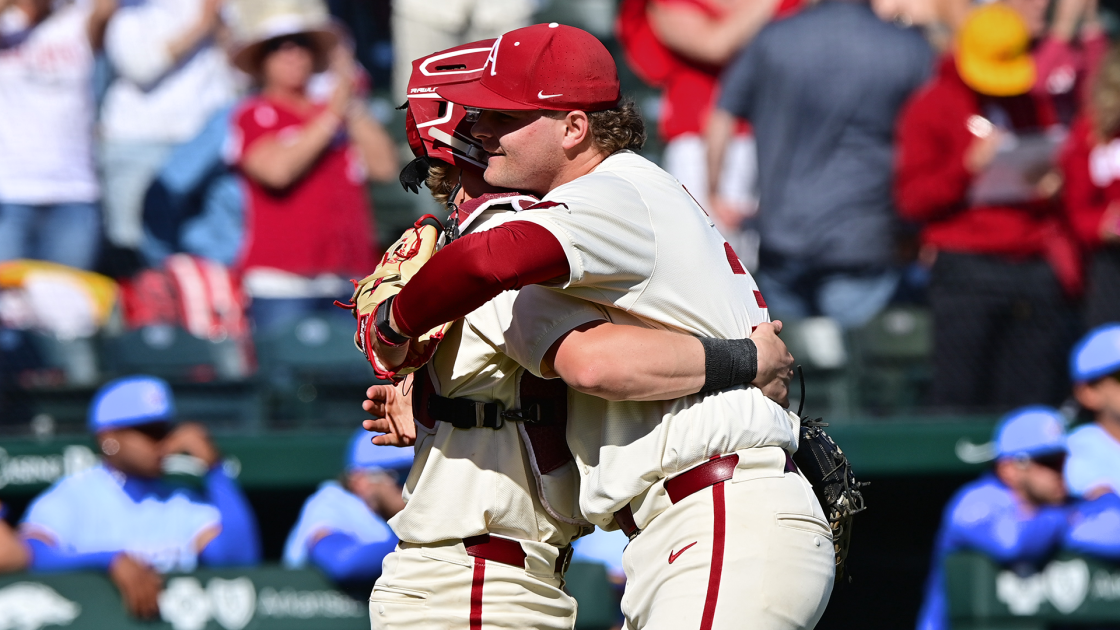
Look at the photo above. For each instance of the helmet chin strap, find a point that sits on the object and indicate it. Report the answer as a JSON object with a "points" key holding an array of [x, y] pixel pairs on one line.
{"points": [[452, 229]]}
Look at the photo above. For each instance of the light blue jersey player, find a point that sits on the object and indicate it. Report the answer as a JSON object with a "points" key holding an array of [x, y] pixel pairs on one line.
{"points": [[342, 528], [123, 517], [1014, 513], [1094, 449]]}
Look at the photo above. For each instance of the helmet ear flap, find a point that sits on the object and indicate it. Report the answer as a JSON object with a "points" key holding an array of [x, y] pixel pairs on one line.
{"points": [[413, 133], [414, 174]]}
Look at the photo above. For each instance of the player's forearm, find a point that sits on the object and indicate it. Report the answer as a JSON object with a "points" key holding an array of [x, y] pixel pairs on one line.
{"points": [[238, 542], [343, 558], [473, 270], [618, 362], [47, 558]]}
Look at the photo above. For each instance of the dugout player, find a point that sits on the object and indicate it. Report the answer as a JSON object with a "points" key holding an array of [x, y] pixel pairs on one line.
{"points": [[492, 500], [121, 517], [722, 527], [342, 527]]}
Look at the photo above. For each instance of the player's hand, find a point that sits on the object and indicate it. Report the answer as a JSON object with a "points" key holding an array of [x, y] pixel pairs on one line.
{"points": [[391, 357], [139, 585], [391, 405], [775, 363], [191, 438]]}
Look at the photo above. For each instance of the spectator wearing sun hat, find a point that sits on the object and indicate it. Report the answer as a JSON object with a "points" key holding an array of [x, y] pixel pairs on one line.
{"points": [[1011, 514], [121, 517], [308, 224], [342, 527], [1003, 267]]}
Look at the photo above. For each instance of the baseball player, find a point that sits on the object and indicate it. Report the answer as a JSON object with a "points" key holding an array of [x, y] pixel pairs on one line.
{"points": [[492, 500], [341, 528], [704, 485], [120, 517]]}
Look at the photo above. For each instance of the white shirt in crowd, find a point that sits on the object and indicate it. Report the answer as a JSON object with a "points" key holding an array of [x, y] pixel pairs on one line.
{"points": [[46, 109], [153, 99]]}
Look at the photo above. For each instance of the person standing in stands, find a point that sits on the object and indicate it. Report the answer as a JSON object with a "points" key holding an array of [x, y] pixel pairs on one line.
{"points": [[170, 74], [122, 518], [822, 89], [1013, 513], [48, 188], [342, 527], [1090, 164], [1004, 262], [309, 226]]}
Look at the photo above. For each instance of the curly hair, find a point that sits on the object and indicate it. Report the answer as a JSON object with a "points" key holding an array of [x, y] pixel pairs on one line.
{"points": [[442, 180], [618, 129], [1105, 97]]}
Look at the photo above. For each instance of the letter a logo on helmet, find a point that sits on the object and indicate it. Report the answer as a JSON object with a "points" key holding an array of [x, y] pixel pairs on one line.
{"points": [[438, 129]]}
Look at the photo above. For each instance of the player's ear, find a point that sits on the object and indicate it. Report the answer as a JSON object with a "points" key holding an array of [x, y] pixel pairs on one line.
{"points": [[577, 130]]}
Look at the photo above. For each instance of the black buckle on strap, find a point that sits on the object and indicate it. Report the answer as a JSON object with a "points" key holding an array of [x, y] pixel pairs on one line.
{"points": [[532, 413]]}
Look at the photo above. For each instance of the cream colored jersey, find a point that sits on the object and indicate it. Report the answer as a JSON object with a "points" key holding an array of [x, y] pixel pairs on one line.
{"points": [[639, 246], [467, 482]]}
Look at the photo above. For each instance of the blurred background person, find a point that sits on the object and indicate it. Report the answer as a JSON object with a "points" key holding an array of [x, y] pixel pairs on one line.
{"points": [[1067, 48], [421, 27], [170, 74], [48, 187], [13, 552], [822, 90], [309, 225], [123, 518], [342, 527], [680, 47], [1091, 167], [1004, 262], [1012, 514], [1094, 449]]}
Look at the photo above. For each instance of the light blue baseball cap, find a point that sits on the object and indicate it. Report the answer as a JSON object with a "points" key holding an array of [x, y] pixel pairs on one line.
{"points": [[1030, 432], [131, 401], [1096, 355], [365, 455]]}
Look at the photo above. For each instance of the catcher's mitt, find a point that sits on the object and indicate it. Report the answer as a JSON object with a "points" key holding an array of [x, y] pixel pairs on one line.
{"points": [[830, 473], [403, 259]]}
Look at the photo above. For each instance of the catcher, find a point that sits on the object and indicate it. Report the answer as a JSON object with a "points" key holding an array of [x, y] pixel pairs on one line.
{"points": [[492, 500], [723, 528]]}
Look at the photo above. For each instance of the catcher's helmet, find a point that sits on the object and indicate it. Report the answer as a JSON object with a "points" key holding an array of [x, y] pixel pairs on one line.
{"points": [[438, 129]]}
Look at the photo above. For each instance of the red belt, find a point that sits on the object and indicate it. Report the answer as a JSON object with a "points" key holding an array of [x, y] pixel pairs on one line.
{"points": [[691, 481], [509, 551]]}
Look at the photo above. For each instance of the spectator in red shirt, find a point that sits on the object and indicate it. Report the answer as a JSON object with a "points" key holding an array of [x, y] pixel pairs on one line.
{"points": [[1091, 166], [1000, 313], [309, 223]]}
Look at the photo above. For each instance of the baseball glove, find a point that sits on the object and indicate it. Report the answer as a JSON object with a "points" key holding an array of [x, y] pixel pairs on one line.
{"points": [[830, 473], [403, 259]]}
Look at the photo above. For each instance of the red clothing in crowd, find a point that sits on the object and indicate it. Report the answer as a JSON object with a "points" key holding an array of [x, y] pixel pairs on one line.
{"points": [[689, 87], [932, 182], [320, 224], [1092, 180], [1063, 69]]}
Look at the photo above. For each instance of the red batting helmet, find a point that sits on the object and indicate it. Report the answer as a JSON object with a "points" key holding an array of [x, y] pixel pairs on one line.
{"points": [[438, 129]]}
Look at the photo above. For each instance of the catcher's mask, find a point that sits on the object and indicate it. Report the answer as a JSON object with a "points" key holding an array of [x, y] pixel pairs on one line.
{"points": [[438, 129]]}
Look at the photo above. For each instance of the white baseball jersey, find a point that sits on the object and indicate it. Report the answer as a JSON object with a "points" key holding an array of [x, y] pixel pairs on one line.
{"points": [[466, 482], [640, 247], [90, 512]]}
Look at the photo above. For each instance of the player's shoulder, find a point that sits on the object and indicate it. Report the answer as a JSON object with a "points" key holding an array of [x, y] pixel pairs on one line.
{"points": [[1089, 436], [616, 183]]}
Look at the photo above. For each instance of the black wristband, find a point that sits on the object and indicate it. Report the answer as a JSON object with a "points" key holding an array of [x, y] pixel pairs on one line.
{"points": [[381, 321], [728, 362]]}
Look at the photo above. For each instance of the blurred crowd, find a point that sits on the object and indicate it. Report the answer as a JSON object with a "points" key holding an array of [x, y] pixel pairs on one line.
{"points": [[206, 164]]}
